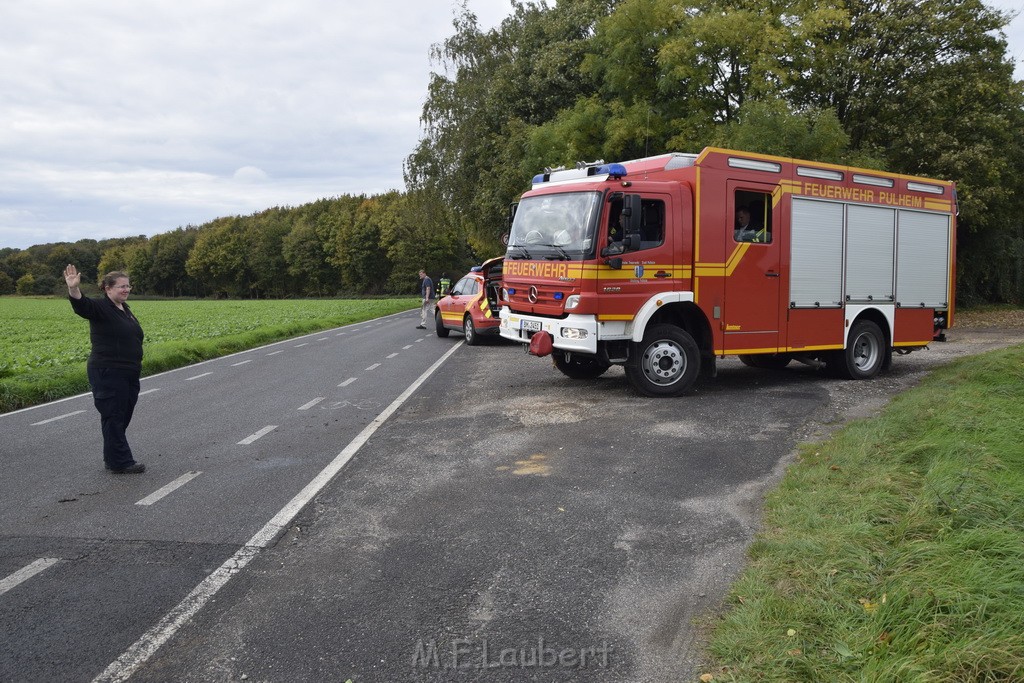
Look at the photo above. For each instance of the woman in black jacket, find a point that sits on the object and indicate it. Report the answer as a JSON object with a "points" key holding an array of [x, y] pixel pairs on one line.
{"points": [[115, 363]]}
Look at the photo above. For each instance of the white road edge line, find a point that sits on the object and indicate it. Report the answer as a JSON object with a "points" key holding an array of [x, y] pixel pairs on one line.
{"points": [[151, 641], [347, 382], [54, 419], [26, 573], [252, 437], [164, 490], [307, 406]]}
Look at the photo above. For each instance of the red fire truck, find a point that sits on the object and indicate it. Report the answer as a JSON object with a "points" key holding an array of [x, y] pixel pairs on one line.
{"points": [[666, 263]]}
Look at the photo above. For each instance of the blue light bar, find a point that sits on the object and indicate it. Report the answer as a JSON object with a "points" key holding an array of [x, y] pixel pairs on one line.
{"points": [[613, 170], [558, 296], [540, 178]]}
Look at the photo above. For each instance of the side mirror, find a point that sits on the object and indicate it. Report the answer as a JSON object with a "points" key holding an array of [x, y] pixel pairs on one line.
{"points": [[631, 242], [614, 263]]}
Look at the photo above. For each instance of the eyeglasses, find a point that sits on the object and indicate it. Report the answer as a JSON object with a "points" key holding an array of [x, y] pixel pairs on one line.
{"points": [[122, 287]]}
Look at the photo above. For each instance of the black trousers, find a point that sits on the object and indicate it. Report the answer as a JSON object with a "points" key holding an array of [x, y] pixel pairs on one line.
{"points": [[115, 393]]}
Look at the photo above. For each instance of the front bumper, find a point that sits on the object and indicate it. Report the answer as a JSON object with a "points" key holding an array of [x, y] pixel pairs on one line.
{"points": [[572, 333]]}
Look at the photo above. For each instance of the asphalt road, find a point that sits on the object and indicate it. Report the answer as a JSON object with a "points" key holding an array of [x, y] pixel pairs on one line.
{"points": [[490, 520]]}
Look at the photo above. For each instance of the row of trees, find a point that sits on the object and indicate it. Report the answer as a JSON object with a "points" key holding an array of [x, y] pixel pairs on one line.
{"points": [[922, 87], [346, 245]]}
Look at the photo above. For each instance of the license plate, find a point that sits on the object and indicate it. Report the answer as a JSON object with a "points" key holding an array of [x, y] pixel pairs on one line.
{"points": [[530, 326]]}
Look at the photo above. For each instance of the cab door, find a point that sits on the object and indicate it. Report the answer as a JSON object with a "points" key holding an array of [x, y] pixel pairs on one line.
{"points": [[646, 270], [753, 273]]}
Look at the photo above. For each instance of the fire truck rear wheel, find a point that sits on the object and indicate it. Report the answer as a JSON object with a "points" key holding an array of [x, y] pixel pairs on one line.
{"points": [[579, 367], [864, 353], [469, 331], [439, 327], [665, 363]]}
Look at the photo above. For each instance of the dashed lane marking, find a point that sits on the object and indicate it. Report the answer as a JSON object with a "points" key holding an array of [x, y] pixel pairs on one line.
{"points": [[274, 353], [392, 355], [252, 437], [307, 406], [373, 367], [235, 365], [189, 379], [165, 490], [54, 419], [347, 382], [26, 573]]}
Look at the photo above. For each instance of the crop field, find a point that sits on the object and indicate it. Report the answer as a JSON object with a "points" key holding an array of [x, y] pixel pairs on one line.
{"points": [[44, 345]]}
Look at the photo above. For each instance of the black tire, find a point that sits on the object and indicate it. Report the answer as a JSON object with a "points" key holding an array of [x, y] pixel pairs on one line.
{"points": [[665, 363], [469, 331], [579, 367], [439, 327], [766, 361], [865, 353]]}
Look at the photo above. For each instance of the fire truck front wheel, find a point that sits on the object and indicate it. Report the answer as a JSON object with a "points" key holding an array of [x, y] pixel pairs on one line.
{"points": [[665, 363], [864, 354]]}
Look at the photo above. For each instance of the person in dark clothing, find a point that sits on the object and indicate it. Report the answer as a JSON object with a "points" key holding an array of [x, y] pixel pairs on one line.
{"points": [[115, 362]]}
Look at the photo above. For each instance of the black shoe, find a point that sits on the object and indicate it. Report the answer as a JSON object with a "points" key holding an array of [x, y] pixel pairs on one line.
{"points": [[137, 468], [421, 327]]}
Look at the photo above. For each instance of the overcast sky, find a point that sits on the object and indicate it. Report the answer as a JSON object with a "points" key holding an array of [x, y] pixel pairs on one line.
{"points": [[128, 117]]}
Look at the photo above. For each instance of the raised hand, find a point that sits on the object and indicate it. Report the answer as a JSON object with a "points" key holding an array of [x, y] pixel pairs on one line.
{"points": [[73, 278]]}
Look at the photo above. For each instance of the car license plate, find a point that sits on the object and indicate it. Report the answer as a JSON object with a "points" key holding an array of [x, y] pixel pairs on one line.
{"points": [[530, 326]]}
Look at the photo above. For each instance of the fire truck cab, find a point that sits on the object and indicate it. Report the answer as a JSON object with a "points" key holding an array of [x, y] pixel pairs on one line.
{"points": [[666, 263]]}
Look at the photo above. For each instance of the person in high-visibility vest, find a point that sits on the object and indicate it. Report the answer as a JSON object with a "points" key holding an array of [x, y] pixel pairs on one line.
{"points": [[443, 285]]}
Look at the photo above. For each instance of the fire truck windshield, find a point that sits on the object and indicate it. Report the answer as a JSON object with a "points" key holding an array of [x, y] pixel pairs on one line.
{"points": [[555, 226]]}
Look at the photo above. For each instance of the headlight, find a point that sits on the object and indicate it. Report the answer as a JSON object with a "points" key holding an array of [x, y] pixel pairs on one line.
{"points": [[504, 294], [572, 302], [573, 333]]}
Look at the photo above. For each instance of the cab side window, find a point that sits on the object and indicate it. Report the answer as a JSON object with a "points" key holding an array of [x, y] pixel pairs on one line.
{"points": [[652, 223], [753, 217]]}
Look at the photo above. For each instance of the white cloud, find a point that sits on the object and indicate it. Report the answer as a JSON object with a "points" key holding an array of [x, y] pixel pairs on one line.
{"points": [[120, 117]]}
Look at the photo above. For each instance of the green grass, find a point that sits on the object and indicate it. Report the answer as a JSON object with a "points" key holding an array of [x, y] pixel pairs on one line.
{"points": [[45, 345], [895, 551]]}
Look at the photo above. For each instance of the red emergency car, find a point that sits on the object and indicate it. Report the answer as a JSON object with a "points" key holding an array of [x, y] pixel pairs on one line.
{"points": [[471, 307]]}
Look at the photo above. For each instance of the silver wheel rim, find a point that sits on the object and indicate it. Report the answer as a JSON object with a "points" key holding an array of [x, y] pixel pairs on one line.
{"points": [[865, 351], [467, 329], [663, 363]]}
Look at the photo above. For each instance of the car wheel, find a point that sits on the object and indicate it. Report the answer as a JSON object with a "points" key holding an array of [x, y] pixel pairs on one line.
{"points": [[665, 363], [766, 361], [469, 331], [864, 355], [579, 367], [439, 327]]}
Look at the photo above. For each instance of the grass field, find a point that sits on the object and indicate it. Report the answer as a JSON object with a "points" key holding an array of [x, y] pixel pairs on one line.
{"points": [[45, 345], [894, 551]]}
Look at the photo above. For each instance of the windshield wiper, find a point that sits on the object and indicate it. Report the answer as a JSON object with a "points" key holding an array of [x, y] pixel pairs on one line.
{"points": [[525, 255], [564, 255]]}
